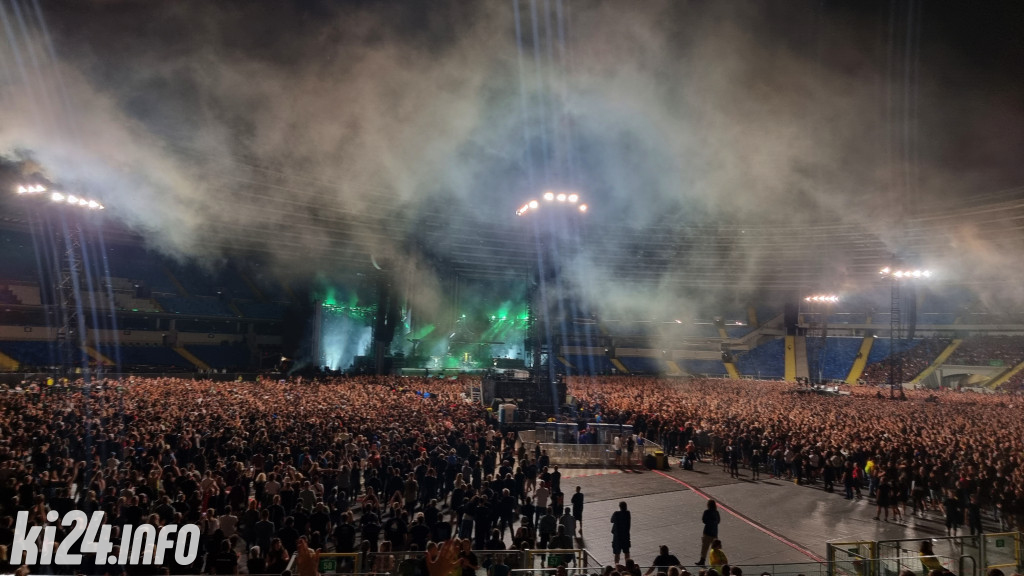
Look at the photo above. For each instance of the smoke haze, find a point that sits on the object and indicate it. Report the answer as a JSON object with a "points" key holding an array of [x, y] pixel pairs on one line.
{"points": [[726, 142]]}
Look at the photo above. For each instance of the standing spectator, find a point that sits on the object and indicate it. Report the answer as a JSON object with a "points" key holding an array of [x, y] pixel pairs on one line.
{"points": [[541, 496], [560, 541], [621, 522], [711, 519], [755, 463], [308, 561], [577, 508], [974, 515], [225, 561], [954, 514], [264, 531], [277, 557], [569, 521], [883, 493], [547, 526]]}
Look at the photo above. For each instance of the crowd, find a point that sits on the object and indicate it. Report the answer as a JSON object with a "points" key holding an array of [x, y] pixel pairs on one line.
{"points": [[984, 350], [1015, 383], [919, 355], [255, 465], [921, 451], [274, 469]]}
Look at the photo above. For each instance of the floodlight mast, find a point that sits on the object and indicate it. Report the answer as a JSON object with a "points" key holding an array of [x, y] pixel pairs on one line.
{"points": [[817, 332], [896, 277], [560, 205], [71, 334]]}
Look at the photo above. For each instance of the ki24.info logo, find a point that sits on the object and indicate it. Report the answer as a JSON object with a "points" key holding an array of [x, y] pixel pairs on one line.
{"points": [[143, 544]]}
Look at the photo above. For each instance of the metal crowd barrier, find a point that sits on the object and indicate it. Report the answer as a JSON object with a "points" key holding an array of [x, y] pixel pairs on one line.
{"points": [[963, 555], [792, 569]]}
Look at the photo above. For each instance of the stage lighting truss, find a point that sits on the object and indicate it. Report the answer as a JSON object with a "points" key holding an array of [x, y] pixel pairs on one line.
{"points": [[553, 198], [59, 197], [824, 298], [900, 274]]}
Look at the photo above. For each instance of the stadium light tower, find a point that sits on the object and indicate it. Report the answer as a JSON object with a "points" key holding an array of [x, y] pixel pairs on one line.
{"points": [[897, 276], [554, 216], [72, 331], [821, 305]]}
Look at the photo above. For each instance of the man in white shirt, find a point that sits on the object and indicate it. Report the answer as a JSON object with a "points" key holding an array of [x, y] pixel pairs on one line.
{"points": [[541, 496], [228, 523]]}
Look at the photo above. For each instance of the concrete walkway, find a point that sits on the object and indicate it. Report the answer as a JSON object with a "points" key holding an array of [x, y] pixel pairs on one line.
{"points": [[770, 521]]}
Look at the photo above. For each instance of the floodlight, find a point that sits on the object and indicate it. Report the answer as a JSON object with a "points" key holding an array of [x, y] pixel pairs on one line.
{"points": [[574, 198], [56, 196], [560, 197], [830, 298], [31, 189], [549, 196], [533, 204], [583, 207]]}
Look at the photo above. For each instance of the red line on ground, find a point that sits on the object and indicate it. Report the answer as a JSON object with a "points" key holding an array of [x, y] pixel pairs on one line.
{"points": [[746, 520]]}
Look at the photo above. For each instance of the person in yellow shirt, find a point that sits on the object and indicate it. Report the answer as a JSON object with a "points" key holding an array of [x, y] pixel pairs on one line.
{"points": [[929, 561], [869, 471], [717, 558]]}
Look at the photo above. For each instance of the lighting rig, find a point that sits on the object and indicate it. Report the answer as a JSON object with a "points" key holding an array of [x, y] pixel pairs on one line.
{"points": [[71, 335], [897, 276], [821, 305], [553, 199]]}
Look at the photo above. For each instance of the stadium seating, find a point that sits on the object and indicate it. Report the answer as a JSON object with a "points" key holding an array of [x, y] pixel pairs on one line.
{"points": [[261, 310], [196, 305], [734, 331], [935, 318], [30, 353], [833, 360], [231, 356], [590, 364], [19, 256], [766, 361], [152, 356], [848, 318], [709, 367], [140, 267], [642, 365]]}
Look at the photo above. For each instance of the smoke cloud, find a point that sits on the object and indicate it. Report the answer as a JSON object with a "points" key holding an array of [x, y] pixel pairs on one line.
{"points": [[718, 144]]}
